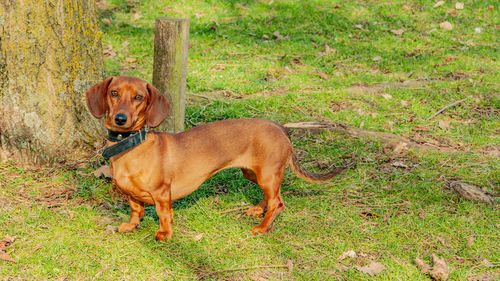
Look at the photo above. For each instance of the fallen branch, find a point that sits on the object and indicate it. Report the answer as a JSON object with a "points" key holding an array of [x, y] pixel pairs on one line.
{"points": [[446, 107], [357, 132]]}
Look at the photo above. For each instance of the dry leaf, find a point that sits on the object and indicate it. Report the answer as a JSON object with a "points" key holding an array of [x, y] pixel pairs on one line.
{"points": [[348, 254], [111, 229], [198, 237], [130, 60], [470, 241], [372, 269], [322, 75], [399, 164], [136, 16], [444, 124], [106, 21], [446, 25], [386, 96], [459, 6], [401, 148], [440, 269], [358, 26], [103, 171], [425, 268], [5, 257], [440, 3], [469, 191], [327, 51], [397, 31], [453, 13], [487, 263], [377, 58], [278, 36]]}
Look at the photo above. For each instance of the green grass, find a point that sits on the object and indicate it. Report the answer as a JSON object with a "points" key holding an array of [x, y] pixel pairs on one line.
{"points": [[384, 213]]}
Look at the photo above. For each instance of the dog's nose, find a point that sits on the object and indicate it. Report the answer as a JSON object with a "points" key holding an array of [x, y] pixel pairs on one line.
{"points": [[120, 119]]}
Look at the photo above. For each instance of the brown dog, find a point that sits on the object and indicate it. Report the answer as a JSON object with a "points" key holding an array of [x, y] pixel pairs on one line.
{"points": [[165, 167]]}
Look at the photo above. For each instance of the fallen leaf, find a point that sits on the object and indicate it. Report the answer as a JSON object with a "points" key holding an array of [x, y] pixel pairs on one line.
{"points": [[397, 31], [328, 50], [453, 13], [136, 16], [487, 263], [278, 36], [103, 171], [440, 269], [106, 21], [265, 37], [469, 191], [399, 164], [401, 147], [348, 254], [358, 26], [459, 5], [440, 3], [470, 241], [446, 25], [386, 96], [130, 60], [421, 128], [444, 124], [425, 268], [198, 237], [6, 257], [111, 229], [322, 75], [377, 58], [372, 269]]}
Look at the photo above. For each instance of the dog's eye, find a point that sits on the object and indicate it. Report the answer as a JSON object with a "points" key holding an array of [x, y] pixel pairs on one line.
{"points": [[114, 93], [138, 97]]}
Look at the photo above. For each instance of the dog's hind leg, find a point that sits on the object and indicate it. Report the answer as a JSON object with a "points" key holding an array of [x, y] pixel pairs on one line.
{"points": [[258, 209], [270, 183]]}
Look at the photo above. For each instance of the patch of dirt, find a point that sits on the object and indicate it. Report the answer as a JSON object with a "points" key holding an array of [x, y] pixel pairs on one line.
{"points": [[379, 88]]}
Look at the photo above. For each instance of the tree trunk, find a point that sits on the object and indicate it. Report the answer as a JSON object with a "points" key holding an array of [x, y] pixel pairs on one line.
{"points": [[50, 54]]}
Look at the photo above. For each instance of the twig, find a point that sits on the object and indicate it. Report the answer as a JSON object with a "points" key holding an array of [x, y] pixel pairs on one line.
{"points": [[446, 107], [235, 209], [200, 96]]}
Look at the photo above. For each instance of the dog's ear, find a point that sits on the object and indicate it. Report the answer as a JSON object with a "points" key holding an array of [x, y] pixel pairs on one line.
{"points": [[96, 98], [158, 107]]}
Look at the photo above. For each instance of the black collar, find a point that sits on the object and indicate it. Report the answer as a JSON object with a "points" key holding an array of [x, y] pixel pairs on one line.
{"points": [[126, 141]]}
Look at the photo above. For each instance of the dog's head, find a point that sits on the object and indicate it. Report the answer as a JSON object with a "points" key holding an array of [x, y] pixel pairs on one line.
{"points": [[129, 102]]}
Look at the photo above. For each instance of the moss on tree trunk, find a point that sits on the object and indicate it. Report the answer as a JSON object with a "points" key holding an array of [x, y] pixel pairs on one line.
{"points": [[50, 54]]}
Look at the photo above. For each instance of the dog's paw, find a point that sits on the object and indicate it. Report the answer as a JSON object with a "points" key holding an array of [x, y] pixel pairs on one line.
{"points": [[161, 235], [255, 211], [258, 230], [127, 227]]}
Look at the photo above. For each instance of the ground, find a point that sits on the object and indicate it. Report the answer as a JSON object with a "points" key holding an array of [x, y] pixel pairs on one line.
{"points": [[359, 66]]}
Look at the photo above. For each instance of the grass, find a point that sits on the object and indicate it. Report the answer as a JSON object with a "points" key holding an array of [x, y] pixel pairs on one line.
{"points": [[384, 213]]}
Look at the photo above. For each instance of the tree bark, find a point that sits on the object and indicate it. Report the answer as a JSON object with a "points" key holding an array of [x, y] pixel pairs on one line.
{"points": [[50, 54], [170, 67]]}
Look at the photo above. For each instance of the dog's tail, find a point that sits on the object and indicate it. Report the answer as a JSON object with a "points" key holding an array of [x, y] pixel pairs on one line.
{"points": [[304, 174]]}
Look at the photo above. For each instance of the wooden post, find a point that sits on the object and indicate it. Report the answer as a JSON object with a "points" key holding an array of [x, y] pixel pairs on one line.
{"points": [[170, 67]]}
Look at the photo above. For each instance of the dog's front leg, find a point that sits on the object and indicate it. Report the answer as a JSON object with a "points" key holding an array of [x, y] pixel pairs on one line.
{"points": [[136, 212], [163, 205]]}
